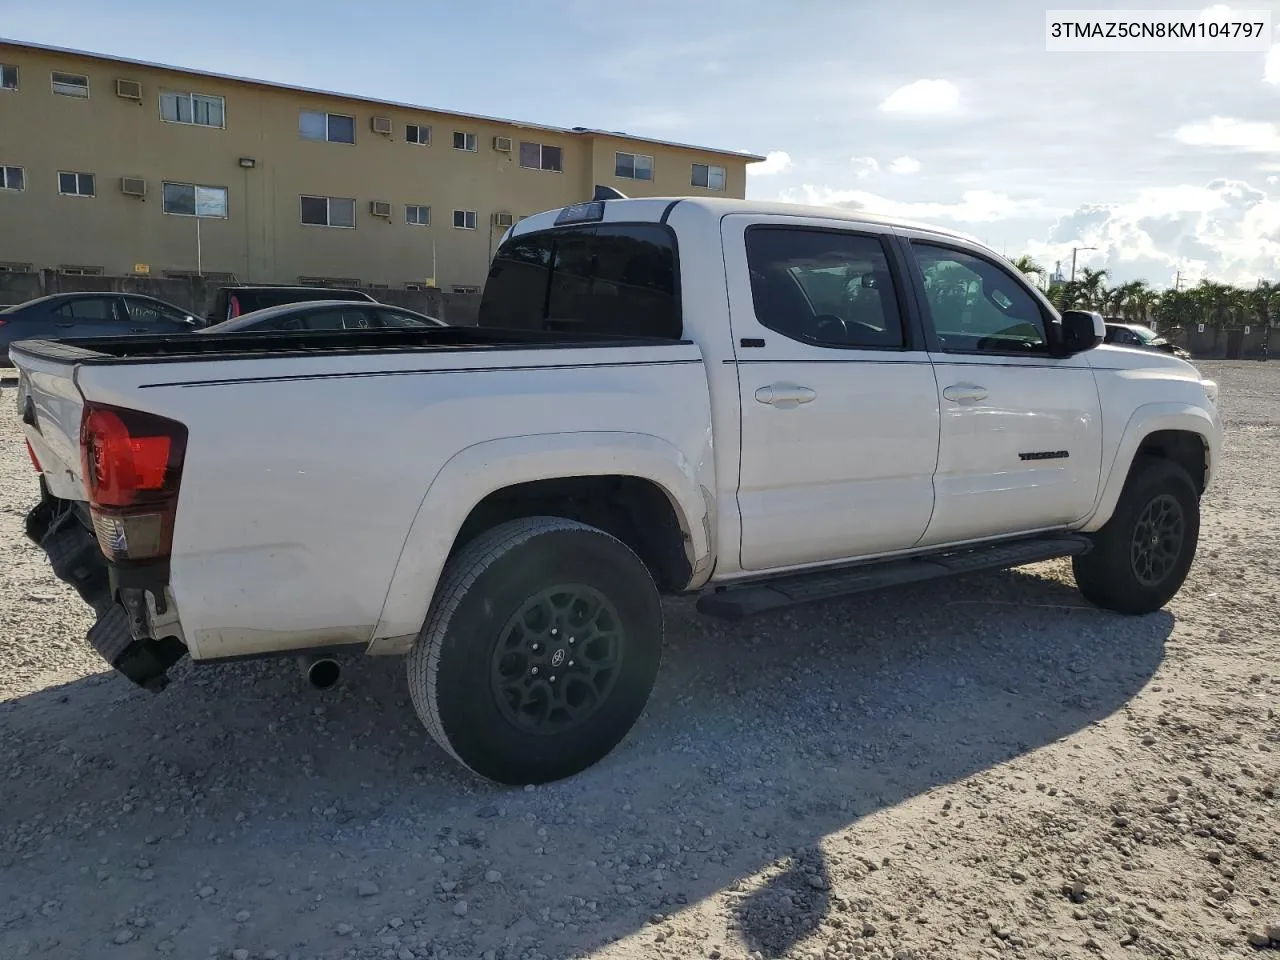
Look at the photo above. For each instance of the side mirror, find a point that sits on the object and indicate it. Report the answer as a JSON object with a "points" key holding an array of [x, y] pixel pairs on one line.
{"points": [[1076, 332]]}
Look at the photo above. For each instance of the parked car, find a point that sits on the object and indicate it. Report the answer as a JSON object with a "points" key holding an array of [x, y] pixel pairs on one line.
{"points": [[325, 315], [1137, 335], [760, 404], [233, 301], [73, 315]]}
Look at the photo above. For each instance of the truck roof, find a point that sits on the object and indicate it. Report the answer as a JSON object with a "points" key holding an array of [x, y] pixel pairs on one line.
{"points": [[654, 209]]}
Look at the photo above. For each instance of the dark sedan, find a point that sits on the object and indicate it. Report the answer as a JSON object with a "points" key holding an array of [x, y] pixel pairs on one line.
{"points": [[73, 315], [325, 315], [1136, 335]]}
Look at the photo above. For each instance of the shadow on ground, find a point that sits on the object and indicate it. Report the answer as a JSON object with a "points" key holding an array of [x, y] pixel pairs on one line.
{"points": [[242, 790]]}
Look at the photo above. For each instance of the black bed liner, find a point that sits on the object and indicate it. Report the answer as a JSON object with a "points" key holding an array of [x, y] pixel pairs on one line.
{"points": [[256, 345]]}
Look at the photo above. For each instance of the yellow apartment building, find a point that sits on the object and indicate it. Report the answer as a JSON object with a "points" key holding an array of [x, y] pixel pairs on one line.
{"points": [[115, 167]]}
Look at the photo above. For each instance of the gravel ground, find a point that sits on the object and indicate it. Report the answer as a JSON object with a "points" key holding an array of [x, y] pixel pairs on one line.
{"points": [[981, 768]]}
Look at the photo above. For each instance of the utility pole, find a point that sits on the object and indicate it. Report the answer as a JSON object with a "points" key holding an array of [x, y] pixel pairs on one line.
{"points": [[1073, 260]]}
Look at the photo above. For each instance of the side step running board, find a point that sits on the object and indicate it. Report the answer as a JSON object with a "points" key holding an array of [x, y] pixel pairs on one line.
{"points": [[743, 600]]}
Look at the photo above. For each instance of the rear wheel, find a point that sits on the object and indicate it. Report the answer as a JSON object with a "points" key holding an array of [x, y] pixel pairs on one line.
{"points": [[1141, 557], [539, 652]]}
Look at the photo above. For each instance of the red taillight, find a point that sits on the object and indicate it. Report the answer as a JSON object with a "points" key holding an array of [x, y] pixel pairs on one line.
{"points": [[132, 465], [235, 307], [35, 461]]}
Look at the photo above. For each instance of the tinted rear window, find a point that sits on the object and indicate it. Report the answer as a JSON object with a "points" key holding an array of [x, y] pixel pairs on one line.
{"points": [[617, 279], [258, 299]]}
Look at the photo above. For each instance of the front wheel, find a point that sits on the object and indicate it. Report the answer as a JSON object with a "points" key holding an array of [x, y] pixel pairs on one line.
{"points": [[1141, 556], [540, 650]]}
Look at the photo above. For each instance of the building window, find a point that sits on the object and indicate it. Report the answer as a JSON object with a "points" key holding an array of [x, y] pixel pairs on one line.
{"points": [[334, 127], [194, 108], [416, 133], [418, 215], [464, 141], [193, 200], [12, 178], [70, 85], [467, 289], [13, 266], [632, 166], [75, 184], [210, 276], [8, 77], [464, 219], [76, 270], [335, 283], [329, 211], [707, 175], [537, 156]]}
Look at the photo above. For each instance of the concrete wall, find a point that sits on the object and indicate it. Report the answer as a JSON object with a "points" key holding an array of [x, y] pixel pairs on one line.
{"points": [[196, 295], [262, 238]]}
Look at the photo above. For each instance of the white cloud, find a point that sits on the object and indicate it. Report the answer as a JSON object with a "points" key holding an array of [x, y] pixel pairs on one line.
{"points": [[904, 165], [1225, 229], [923, 98], [775, 161], [1273, 179], [1254, 136], [1271, 66], [974, 206], [864, 167]]}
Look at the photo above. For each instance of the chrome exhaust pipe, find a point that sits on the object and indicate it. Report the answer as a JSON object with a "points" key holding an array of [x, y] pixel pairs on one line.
{"points": [[321, 672]]}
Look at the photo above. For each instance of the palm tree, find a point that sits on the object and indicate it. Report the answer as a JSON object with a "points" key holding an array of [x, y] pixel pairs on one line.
{"points": [[1092, 290], [1144, 301], [1028, 267]]}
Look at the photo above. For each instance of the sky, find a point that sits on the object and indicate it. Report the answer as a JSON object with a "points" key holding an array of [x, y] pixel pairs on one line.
{"points": [[944, 112]]}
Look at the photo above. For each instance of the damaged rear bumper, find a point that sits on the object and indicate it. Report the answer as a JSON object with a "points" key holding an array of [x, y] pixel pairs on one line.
{"points": [[124, 600]]}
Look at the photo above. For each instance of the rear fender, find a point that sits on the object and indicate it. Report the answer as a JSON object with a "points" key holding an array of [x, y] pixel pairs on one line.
{"points": [[477, 471], [1146, 420]]}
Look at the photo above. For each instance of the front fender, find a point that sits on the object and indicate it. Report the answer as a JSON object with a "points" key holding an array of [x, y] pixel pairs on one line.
{"points": [[484, 468], [1146, 420]]}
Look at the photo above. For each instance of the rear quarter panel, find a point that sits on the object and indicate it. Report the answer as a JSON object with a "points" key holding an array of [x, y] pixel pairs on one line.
{"points": [[303, 477]]}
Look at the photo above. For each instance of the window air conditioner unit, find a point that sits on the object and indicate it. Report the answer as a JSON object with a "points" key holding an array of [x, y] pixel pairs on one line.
{"points": [[133, 186], [129, 89], [502, 144], [381, 125], [502, 219], [380, 208]]}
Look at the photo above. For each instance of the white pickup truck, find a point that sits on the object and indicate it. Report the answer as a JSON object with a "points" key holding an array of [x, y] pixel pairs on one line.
{"points": [[760, 403]]}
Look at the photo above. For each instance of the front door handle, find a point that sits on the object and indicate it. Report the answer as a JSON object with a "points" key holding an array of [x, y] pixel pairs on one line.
{"points": [[965, 393], [137, 329], [785, 396], [67, 324]]}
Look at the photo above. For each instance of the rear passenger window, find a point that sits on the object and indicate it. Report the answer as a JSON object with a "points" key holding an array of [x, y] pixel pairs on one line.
{"points": [[88, 308], [613, 279], [823, 287]]}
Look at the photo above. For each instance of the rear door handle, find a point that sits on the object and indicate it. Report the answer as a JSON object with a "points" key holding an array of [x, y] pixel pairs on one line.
{"points": [[64, 324], [137, 329], [785, 396], [965, 393]]}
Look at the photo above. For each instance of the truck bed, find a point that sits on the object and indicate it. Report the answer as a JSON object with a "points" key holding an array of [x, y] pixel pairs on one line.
{"points": [[295, 343], [311, 459]]}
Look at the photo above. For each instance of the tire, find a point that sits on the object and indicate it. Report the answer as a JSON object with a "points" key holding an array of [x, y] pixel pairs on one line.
{"points": [[492, 674], [1116, 574]]}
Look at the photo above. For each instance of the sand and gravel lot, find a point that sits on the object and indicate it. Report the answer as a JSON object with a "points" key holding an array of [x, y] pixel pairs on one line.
{"points": [[981, 768]]}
